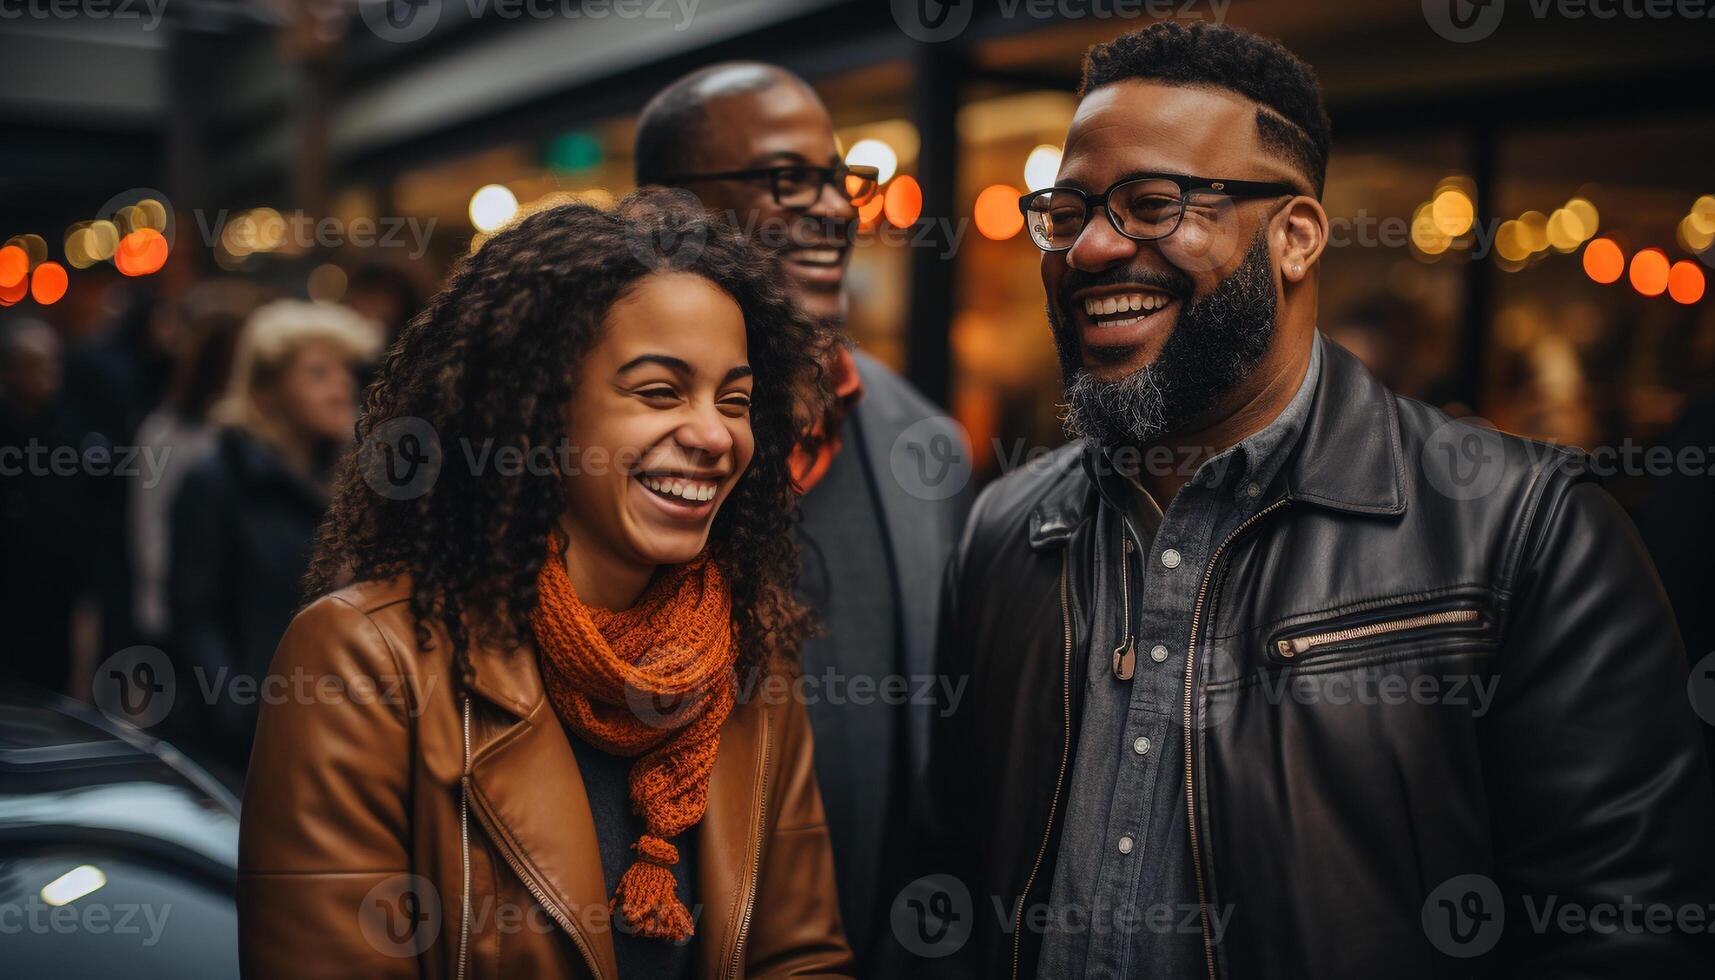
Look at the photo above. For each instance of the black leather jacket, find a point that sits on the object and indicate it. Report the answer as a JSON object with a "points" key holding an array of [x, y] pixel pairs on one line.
{"points": [[1353, 836]]}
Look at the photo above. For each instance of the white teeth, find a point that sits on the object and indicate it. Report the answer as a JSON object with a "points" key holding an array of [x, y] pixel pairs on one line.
{"points": [[823, 256], [685, 489], [1109, 305]]}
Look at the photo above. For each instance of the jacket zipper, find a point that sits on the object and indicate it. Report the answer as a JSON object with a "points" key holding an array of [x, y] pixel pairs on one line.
{"points": [[464, 841], [1190, 677], [1065, 748], [1304, 644], [1125, 655], [538, 892], [736, 964]]}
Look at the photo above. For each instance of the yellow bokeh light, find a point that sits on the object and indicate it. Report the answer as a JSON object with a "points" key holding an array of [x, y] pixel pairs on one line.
{"points": [[1533, 230], [1703, 214], [269, 227], [492, 206], [127, 219], [1511, 243], [152, 214], [1692, 237], [1588, 217], [76, 246], [238, 238], [1457, 182], [103, 239], [874, 153], [1426, 236], [1453, 212], [1041, 167], [1565, 230]]}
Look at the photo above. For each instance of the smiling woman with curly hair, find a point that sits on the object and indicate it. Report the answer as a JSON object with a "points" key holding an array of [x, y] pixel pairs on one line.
{"points": [[518, 744]]}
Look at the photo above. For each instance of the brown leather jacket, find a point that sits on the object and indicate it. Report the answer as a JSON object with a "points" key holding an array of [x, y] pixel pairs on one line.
{"points": [[379, 797]]}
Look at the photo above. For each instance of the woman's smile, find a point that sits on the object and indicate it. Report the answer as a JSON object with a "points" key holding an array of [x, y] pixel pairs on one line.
{"points": [[680, 496]]}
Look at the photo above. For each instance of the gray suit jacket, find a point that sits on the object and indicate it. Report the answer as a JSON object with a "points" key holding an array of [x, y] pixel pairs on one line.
{"points": [[921, 470], [903, 472]]}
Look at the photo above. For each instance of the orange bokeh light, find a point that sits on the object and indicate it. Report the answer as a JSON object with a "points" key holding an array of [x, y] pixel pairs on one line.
{"points": [[1603, 260], [904, 202], [1649, 272], [997, 213], [141, 253], [869, 212], [14, 293], [1685, 282], [14, 265], [48, 283]]}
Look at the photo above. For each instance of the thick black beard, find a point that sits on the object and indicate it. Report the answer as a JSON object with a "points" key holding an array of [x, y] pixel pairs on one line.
{"points": [[1218, 342]]}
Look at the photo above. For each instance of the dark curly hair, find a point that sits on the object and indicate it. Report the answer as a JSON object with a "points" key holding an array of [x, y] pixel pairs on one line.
{"points": [[1290, 116], [494, 356]]}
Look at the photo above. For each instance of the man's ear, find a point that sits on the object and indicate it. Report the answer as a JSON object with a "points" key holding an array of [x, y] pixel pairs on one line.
{"points": [[1299, 235]]}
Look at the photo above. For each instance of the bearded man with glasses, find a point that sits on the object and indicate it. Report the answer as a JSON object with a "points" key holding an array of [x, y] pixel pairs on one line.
{"points": [[755, 144], [1273, 673]]}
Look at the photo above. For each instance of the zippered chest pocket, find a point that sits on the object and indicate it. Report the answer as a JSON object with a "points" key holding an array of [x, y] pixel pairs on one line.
{"points": [[1380, 632]]}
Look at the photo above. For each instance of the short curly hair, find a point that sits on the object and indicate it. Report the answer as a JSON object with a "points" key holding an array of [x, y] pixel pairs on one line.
{"points": [[495, 355], [1290, 117]]}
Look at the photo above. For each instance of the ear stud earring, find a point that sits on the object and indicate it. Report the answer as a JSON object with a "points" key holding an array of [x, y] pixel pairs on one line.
{"points": [[1296, 269]]}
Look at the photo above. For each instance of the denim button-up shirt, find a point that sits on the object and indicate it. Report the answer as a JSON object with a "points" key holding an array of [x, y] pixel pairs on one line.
{"points": [[1124, 901]]}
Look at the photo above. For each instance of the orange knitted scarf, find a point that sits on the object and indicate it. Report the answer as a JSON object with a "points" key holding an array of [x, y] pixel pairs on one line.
{"points": [[654, 683]]}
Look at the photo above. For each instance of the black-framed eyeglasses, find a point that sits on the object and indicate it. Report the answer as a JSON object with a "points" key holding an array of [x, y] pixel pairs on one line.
{"points": [[799, 185], [1145, 208]]}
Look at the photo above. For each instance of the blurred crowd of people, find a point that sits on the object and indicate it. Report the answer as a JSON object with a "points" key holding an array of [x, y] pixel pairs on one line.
{"points": [[162, 478]]}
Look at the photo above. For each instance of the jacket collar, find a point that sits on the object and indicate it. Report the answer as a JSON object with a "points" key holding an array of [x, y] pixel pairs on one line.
{"points": [[530, 797], [1349, 457]]}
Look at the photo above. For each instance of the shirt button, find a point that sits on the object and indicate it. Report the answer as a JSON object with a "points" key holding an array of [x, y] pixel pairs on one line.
{"points": [[1170, 558], [1141, 746], [1252, 490], [1158, 653], [1125, 844]]}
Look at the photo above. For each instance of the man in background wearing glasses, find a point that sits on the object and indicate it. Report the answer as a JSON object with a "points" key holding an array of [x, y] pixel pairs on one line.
{"points": [[755, 143], [1272, 672]]}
